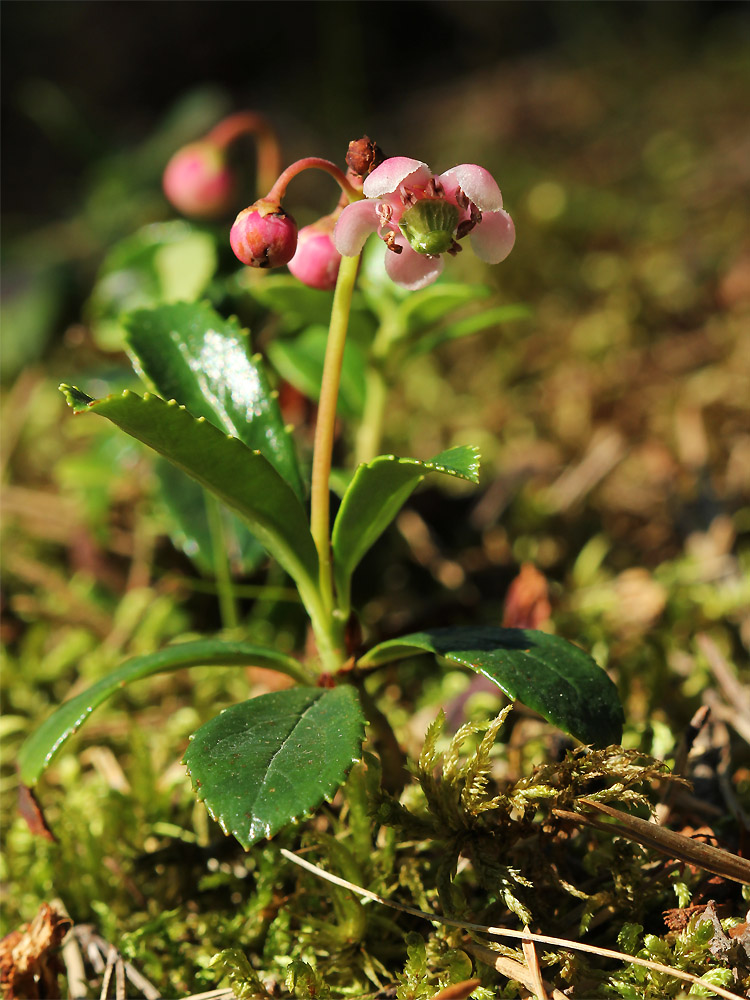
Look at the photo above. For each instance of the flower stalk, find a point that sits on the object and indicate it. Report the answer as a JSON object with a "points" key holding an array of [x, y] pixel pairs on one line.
{"points": [[325, 426]]}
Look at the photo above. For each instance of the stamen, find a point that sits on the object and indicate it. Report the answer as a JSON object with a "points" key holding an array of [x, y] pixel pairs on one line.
{"points": [[408, 198], [454, 249], [390, 241], [433, 188], [476, 215], [385, 212], [464, 228], [461, 200]]}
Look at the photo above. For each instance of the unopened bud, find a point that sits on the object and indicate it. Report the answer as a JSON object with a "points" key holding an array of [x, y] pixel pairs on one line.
{"points": [[316, 262], [264, 235], [197, 180], [363, 156]]}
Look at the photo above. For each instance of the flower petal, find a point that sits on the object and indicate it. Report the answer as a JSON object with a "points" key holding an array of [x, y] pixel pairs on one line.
{"points": [[355, 224], [409, 269], [476, 183], [493, 238], [391, 173]]}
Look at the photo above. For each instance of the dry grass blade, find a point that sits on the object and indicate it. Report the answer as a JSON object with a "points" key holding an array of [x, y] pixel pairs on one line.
{"points": [[509, 968], [555, 942], [458, 991], [674, 845], [535, 973], [224, 994]]}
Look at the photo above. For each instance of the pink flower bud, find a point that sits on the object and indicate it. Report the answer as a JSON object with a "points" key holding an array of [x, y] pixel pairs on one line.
{"points": [[316, 262], [197, 180], [264, 235]]}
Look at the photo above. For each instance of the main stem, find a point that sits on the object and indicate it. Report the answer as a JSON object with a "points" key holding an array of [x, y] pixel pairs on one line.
{"points": [[324, 428]]}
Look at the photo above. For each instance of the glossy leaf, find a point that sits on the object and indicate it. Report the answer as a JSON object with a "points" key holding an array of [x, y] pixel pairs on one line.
{"points": [[377, 492], [243, 480], [40, 748], [300, 361], [557, 679], [188, 352], [271, 760]]}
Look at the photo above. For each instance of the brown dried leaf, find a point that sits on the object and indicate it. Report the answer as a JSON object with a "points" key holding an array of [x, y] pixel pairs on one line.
{"points": [[31, 811], [28, 964]]}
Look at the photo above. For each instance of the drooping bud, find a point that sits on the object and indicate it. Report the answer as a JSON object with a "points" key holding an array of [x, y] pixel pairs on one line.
{"points": [[264, 235], [197, 180], [430, 226], [316, 262]]}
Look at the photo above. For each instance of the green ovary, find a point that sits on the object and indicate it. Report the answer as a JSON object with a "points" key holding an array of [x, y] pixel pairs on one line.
{"points": [[429, 226]]}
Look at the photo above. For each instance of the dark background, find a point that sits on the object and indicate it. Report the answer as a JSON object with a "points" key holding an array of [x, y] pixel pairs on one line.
{"points": [[81, 79]]}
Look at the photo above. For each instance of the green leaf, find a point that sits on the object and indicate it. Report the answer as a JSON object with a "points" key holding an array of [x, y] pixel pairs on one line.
{"points": [[39, 749], [243, 480], [429, 305], [300, 361], [377, 492], [162, 262], [188, 524], [470, 325], [552, 676], [188, 352], [273, 759]]}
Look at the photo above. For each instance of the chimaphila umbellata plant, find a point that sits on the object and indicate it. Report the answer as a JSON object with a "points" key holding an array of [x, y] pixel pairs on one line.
{"points": [[210, 409]]}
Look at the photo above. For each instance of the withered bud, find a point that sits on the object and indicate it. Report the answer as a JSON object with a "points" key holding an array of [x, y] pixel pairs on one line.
{"points": [[363, 156]]}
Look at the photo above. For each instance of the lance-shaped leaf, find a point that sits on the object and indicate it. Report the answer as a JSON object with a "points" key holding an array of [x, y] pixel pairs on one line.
{"points": [[377, 492], [188, 352], [244, 480], [39, 749], [268, 761], [557, 679]]}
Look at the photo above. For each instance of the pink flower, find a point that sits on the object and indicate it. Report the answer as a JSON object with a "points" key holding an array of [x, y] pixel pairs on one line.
{"points": [[197, 180], [316, 262], [420, 216], [264, 235]]}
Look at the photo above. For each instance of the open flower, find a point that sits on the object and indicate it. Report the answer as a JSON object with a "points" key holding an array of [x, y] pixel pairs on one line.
{"points": [[420, 216]]}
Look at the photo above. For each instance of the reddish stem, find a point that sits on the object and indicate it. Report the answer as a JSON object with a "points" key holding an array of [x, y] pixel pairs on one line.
{"points": [[278, 191], [251, 123]]}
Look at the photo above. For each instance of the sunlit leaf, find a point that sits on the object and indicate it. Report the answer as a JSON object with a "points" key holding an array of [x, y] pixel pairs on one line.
{"points": [[42, 746], [547, 673], [268, 761], [377, 492]]}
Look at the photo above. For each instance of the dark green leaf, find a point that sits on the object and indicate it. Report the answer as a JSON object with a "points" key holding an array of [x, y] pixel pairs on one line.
{"points": [[550, 675], [43, 745], [242, 479], [271, 760], [188, 524], [300, 361], [188, 352], [375, 495]]}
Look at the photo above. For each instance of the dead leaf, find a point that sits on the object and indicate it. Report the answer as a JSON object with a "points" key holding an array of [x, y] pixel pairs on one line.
{"points": [[29, 965]]}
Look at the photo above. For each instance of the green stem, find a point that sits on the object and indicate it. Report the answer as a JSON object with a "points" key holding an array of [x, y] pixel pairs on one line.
{"points": [[227, 603], [324, 428]]}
